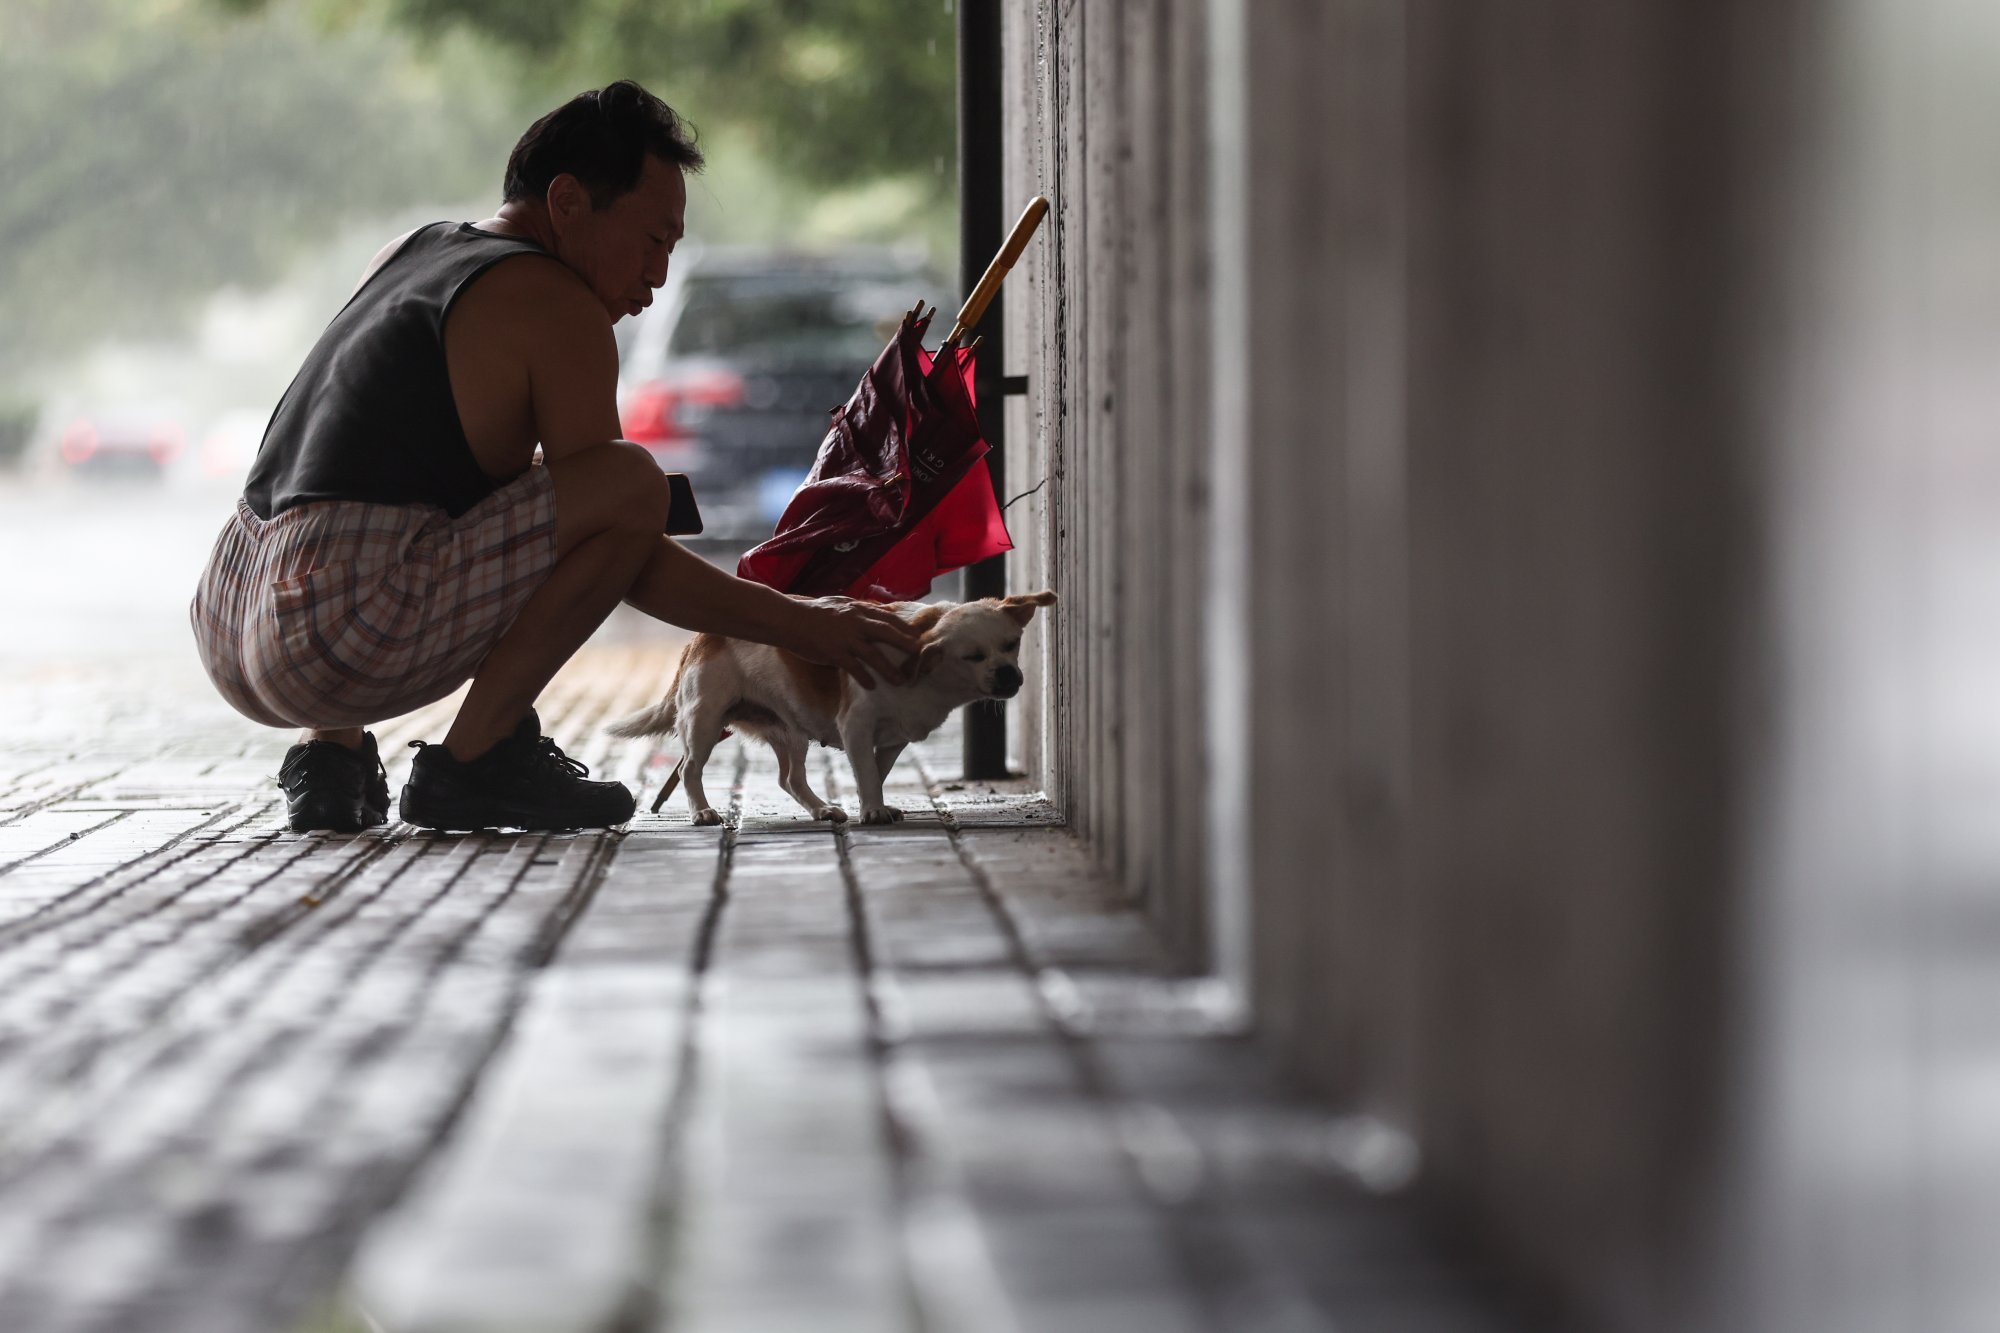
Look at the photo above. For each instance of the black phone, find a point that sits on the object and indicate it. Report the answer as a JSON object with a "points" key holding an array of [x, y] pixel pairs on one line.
{"points": [[683, 515]]}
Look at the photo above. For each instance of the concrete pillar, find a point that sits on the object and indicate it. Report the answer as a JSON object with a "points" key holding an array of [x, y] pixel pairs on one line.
{"points": [[1519, 483], [1585, 527], [1307, 636], [1114, 297]]}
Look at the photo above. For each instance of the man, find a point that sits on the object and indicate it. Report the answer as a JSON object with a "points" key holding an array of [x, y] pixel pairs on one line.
{"points": [[396, 536]]}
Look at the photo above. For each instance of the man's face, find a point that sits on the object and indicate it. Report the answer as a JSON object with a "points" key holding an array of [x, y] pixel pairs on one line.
{"points": [[621, 250]]}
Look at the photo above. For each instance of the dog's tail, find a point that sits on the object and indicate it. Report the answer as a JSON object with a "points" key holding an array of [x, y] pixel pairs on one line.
{"points": [[658, 720], [655, 721]]}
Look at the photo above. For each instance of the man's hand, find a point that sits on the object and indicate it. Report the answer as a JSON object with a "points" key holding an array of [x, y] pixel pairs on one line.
{"points": [[857, 637], [864, 639]]}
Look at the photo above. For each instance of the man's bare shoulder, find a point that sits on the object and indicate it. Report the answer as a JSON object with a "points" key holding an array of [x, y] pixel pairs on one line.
{"points": [[529, 321], [537, 291]]}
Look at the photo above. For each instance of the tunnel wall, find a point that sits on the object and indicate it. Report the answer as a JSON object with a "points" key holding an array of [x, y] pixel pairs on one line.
{"points": [[1449, 577], [1109, 317]]}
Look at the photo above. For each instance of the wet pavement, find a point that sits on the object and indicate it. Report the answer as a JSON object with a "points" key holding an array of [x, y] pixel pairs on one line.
{"points": [[774, 1076]]}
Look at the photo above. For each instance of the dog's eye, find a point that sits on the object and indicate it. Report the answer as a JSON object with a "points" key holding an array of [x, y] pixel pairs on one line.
{"points": [[975, 657], [1010, 645]]}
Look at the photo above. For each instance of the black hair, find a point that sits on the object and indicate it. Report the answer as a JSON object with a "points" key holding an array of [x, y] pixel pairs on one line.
{"points": [[602, 138]]}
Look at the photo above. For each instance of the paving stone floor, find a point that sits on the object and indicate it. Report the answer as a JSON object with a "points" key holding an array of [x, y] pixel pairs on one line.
{"points": [[771, 1077]]}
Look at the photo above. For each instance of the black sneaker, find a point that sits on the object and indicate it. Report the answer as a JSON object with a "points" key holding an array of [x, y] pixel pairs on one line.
{"points": [[332, 788], [525, 781]]}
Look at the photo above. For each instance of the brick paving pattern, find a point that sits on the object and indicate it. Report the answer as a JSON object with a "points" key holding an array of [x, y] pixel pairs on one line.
{"points": [[768, 1077]]}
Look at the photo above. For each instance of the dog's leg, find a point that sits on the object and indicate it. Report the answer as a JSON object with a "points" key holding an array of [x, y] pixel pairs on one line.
{"points": [[857, 737], [792, 777], [885, 759], [700, 728]]}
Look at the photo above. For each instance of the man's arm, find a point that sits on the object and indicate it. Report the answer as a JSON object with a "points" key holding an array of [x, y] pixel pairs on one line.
{"points": [[863, 639], [572, 370], [571, 360]]}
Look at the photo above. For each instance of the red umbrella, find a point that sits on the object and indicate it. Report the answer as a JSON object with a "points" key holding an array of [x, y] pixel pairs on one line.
{"points": [[897, 495]]}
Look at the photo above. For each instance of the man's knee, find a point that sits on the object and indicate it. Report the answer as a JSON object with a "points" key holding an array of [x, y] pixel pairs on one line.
{"points": [[614, 487], [642, 489]]}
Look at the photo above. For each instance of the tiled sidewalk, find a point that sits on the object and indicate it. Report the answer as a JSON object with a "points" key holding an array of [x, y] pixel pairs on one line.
{"points": [[771, 1077]]}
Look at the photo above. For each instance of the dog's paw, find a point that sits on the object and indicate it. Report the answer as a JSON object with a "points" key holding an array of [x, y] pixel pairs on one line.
{"points": [[881, 814], [830, 812], [707, 817]]}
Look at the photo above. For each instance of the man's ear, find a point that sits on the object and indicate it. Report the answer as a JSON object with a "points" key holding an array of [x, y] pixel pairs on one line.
{"points": [[1022, 606], [567, 198]]}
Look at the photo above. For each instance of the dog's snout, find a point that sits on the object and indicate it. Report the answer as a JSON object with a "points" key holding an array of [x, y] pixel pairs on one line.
{"points": [[1007, 681]]}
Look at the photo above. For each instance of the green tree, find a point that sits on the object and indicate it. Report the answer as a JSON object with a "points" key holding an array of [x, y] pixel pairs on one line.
{"points": [[155, 151], [834, 92]]}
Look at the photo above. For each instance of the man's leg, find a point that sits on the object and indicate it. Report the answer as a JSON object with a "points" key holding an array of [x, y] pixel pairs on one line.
{"points": [[352, 738], [611, 508], [611, 504], [493, 770]]}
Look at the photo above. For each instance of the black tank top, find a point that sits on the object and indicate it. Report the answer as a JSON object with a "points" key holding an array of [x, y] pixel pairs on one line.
{"points": [[370, 415]]}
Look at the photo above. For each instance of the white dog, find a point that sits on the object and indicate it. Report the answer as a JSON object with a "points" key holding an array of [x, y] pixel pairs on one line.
{"points": [[970, 651]]}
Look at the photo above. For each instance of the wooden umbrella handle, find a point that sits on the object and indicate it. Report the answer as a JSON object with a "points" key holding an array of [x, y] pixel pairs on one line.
{"points": [[975, 305]]}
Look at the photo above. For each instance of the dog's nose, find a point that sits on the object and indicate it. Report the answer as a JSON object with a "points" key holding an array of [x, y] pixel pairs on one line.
{"points": [[1007, 681]]}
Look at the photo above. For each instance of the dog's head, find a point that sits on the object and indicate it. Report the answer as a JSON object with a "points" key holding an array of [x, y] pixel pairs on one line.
{"points": [[974, 649]]}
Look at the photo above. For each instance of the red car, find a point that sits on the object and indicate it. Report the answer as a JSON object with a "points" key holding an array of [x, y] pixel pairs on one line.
{"points": [[133, 443]]}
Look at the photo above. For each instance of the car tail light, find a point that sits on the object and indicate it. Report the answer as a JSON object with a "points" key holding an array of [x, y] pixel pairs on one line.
{"points": [[712, 388], [79, 442], [656, 413], [165, 446], [649, 412]]}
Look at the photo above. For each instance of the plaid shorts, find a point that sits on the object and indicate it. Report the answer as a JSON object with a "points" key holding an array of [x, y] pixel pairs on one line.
{"points": [[341, 613]]}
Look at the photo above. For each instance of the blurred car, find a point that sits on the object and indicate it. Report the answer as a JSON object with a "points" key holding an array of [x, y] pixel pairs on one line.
{"points": [[135, 442], [731, 374]]}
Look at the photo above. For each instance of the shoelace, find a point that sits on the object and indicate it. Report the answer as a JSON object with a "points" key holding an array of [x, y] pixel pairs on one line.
{"points": [[546, 753], [549, 753]]}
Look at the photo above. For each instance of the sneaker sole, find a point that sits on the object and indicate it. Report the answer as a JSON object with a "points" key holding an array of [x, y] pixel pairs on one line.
{"points": [[449, 816], [321, 816]]}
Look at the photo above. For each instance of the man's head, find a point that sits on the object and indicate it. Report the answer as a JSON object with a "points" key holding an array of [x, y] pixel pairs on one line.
{"points": [[605, 172]]}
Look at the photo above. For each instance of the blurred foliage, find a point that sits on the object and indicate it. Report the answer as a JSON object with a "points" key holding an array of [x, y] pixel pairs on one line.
{"points": [[155, 151], [158, 150], [832, 92], [17, 419]]}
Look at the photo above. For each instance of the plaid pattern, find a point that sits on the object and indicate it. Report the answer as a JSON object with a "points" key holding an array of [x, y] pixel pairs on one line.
{"points": [[341, 613]]}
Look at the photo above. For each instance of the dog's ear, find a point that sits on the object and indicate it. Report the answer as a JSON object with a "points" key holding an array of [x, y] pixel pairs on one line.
{"points": [[926, 661], [1022, 606]]}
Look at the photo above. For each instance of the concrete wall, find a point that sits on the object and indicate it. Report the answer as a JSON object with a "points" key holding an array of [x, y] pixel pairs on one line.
{"points": [[1191, 512], [1586, 519], [1109, 319], [1476, 494]]}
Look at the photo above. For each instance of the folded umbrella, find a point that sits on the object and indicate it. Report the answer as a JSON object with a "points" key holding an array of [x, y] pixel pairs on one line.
{"points": [[898, 494]]}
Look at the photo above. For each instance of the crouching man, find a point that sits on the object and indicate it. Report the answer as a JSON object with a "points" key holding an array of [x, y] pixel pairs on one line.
{"points": [[397, 538]]}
